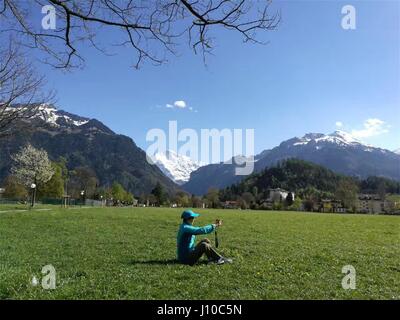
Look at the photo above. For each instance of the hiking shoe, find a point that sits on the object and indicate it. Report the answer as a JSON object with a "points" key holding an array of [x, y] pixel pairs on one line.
{"points": [[228, 260], [223, 260]]}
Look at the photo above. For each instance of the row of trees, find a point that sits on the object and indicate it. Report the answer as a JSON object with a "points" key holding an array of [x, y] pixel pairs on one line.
{"points": [[54, 180], [32, 167], [160, 197], [307, 198], [32, 171]]}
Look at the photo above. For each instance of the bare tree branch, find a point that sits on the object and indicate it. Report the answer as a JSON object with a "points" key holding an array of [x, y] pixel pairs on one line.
{"points": [[153, 29], [20, 89]]}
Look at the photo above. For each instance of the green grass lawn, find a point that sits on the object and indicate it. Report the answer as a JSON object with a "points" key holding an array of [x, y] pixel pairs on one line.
{"points": [[129, 254], [21, 207]]}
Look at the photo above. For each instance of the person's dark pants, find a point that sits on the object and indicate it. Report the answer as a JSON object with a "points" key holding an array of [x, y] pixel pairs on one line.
{"points": [[203, 247]]}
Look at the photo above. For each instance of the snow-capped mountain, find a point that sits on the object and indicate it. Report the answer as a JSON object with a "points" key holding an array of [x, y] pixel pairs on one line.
{"points": [[397, 151], [55, 117], [175, 166], [340, 139], [338, 151], [51, 115]]}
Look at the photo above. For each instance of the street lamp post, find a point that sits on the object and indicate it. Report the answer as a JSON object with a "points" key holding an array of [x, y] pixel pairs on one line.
{"points": [[82, 197], [101, 198], [33, 188]]}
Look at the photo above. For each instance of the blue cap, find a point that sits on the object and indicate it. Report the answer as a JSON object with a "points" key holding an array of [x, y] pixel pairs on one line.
{"points": [[187, 214]]}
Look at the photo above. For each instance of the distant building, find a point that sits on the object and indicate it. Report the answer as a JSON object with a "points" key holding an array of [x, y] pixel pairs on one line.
{"points": [[275, 196], [230, 205], [372, 203], [334, 206], [278, 195]]}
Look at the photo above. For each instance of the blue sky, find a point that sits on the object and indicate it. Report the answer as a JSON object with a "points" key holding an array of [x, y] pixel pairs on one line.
{"points": [[313, 76]]}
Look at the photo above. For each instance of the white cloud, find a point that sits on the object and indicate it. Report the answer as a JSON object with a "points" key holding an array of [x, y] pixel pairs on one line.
{"points": [[339, 124], [372, 127], [180, 104]]}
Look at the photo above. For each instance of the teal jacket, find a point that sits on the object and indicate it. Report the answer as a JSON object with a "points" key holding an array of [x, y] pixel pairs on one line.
{"points": [[186, 239]]}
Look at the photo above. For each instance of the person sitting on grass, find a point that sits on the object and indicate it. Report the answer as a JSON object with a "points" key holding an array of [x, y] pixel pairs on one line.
{"points": [[187, 252]]}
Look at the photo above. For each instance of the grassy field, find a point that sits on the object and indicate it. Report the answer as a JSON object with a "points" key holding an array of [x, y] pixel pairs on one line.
{"points": [[129, 254]]}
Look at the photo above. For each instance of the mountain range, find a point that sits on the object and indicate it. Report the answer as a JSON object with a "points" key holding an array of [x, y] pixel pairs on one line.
{"points": [[89, 143], [337, 151], [85, 143]]}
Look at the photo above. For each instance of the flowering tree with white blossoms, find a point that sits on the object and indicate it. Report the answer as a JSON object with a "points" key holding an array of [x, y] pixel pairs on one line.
{"points": [[32, 167]]}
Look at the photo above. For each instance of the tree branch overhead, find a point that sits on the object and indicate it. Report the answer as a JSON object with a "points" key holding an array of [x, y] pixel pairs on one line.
{"points": [[152, 29]]}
